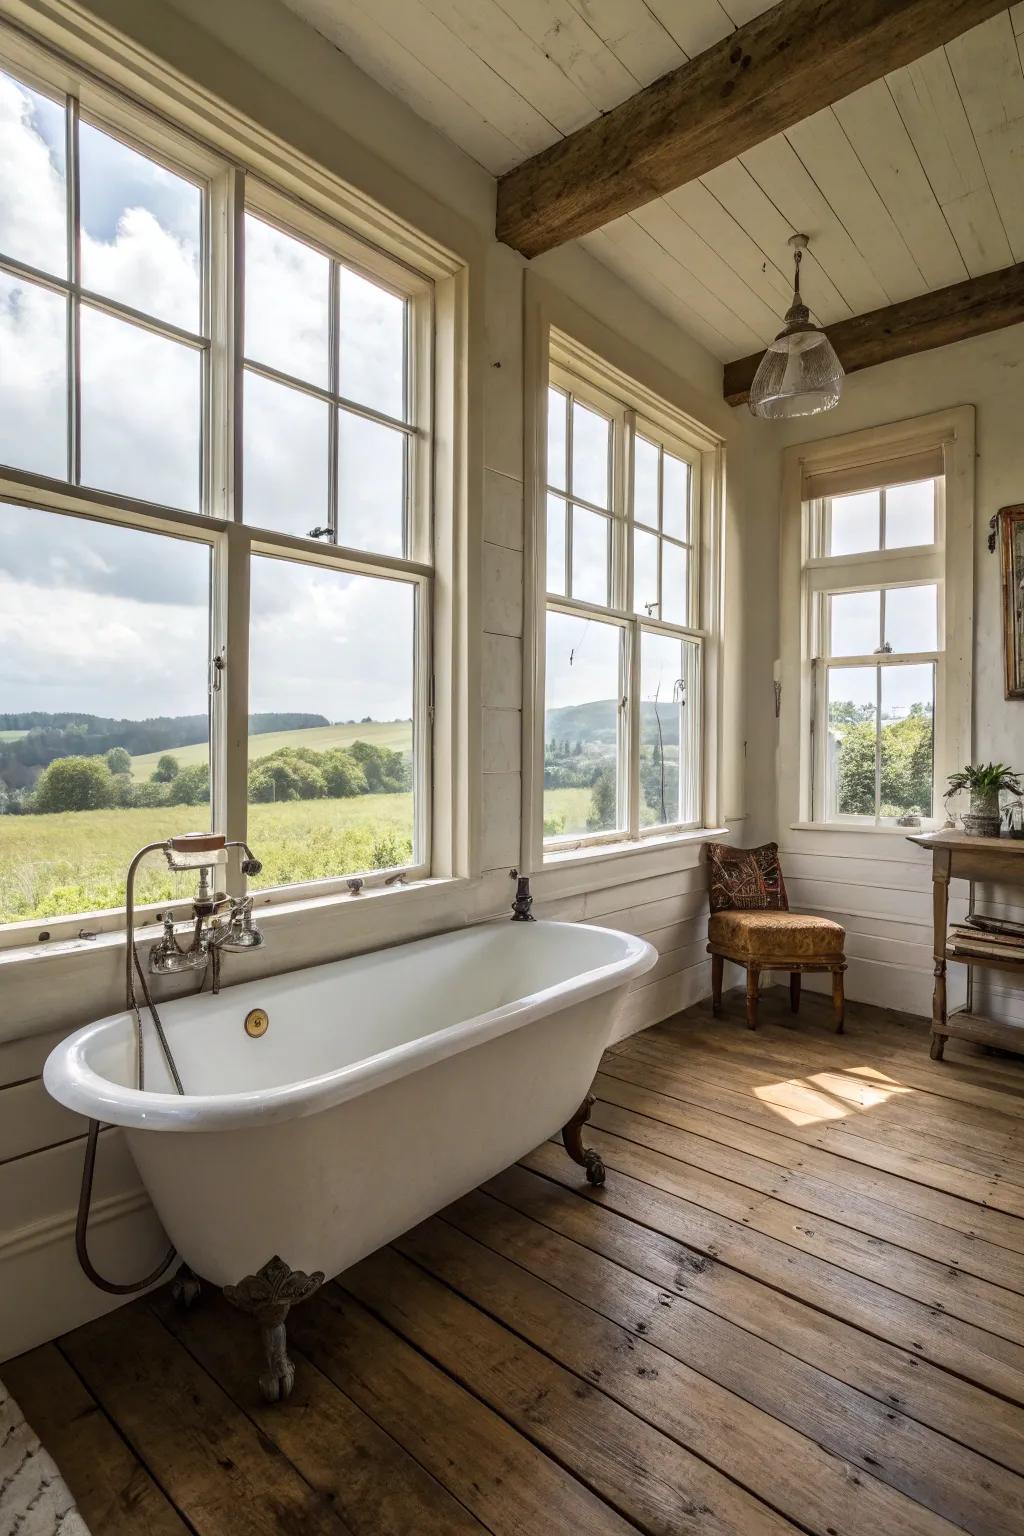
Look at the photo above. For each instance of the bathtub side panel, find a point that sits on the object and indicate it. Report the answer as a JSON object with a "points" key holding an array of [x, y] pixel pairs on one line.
{"points": [[323, 1191]]}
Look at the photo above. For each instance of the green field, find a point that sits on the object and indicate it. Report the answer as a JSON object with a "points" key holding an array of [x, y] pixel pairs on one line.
{"points": [[75, 861], [12, 735], [379, 733], [569, 807]]}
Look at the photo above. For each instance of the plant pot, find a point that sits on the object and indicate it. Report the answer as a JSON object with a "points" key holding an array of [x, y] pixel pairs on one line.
{"points": [[983, 818]]}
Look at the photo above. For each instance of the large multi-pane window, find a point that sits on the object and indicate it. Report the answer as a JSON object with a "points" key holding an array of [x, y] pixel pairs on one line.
{"points": [[215, 542], [623, 649], [876, 593]]}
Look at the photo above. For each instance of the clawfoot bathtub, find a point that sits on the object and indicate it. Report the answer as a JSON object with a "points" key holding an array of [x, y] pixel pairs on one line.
{"points": [[330, 1109]]}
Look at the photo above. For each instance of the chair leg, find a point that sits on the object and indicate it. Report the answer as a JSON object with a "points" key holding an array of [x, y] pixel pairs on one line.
{"points": [[794, 991], [839, 1002], [717, 971], [753, 977]]}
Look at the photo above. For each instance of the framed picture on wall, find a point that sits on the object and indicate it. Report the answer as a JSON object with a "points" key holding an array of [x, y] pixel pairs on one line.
{"points": [[1008, 530]]}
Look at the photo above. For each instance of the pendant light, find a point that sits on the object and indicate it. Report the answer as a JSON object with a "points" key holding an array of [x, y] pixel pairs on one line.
{"points": [[800, 373]]}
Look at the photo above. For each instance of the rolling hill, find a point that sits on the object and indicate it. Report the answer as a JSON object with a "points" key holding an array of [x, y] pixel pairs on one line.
{"points": [[396, 734]]}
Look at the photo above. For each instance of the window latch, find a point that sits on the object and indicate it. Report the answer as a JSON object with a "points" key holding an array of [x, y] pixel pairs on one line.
{"points": [[217, 665], [321, 533]]}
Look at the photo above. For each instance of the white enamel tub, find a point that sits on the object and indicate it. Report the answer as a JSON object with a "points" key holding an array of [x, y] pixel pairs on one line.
{"points": [[385, 1087]]}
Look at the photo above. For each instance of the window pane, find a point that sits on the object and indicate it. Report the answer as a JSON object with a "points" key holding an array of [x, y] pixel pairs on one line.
{"points": [[911, 618], [675, 602], [675, 498], [591, 444], [141, 230], [910, 514], [284, 473], [583, 684], [104, 734], [332, 669], [371, 485], [557, 407], [33, 378], [590, 533], [141, 412], [33, 185], [371, 347], [645, 573], [908, 715], [855, 523], [852, 706], [287, 304], [645, 481], [662, 689], [856, 623], [556, 545]]}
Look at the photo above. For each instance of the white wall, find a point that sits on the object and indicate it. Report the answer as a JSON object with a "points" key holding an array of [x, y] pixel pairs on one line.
{"points": [[262, 60], [879, 886]]}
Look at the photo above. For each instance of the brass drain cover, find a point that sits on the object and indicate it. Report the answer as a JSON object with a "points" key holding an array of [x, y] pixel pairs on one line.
{"points": [[256, 1022]]}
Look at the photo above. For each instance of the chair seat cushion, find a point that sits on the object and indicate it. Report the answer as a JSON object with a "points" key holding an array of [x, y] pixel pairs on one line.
{"points": [[767, 936]]}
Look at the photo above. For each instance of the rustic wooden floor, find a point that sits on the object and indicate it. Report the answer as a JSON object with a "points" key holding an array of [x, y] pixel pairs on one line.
{"points": [[798, 1305]]}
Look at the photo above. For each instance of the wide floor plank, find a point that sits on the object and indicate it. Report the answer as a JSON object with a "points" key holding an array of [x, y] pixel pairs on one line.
{"points": [[796, 1305]]}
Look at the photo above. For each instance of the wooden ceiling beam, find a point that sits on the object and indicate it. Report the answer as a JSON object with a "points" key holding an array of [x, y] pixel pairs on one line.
{"points": [[987, 303], [772, 72]]}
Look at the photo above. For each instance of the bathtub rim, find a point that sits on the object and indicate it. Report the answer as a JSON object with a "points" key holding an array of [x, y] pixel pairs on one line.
{"points": [[70, 1079]]}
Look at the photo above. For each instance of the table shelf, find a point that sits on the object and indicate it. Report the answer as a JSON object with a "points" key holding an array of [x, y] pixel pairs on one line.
{"points": [[988, 962]]}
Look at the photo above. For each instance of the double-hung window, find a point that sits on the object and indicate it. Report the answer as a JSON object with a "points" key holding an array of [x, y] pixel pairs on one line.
{"points": [[623, 640], [216, 482], [875, 582]]}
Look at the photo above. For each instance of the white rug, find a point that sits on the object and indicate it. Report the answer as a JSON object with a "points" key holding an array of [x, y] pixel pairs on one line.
{"points": [[34, 1498]]}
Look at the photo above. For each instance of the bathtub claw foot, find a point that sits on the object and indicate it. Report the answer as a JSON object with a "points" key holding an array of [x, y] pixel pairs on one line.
{"points": [[277, 1380], [269, 1296], [185, 1289], [572, 1138]]}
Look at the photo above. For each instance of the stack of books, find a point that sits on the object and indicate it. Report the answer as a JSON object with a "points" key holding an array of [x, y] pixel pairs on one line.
{"points": [[989, 938]]}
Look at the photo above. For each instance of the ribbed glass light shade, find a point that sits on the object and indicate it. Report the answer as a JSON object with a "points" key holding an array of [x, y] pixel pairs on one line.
{"points": [[799, 375]]}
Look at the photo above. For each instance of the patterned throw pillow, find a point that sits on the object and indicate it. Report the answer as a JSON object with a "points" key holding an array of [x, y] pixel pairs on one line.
{"points": [[746, 879]]}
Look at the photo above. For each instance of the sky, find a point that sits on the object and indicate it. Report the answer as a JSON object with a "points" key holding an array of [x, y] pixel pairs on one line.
{"points": [[115, 621]]}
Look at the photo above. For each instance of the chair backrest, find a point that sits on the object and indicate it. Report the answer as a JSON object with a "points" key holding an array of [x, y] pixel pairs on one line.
{"points": [[746, 879]]}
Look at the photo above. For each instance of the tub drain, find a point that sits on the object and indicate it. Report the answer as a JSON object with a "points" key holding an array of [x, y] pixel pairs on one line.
{"points": [[256, 1022]]}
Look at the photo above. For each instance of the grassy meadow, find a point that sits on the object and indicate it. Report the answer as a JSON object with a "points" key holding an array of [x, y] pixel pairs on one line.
{"points": [[75, 861], [395, 734], [569, 809]]}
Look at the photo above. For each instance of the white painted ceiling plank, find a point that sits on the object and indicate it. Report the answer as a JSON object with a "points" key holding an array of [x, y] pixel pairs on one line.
{"points": [[929, 103], [873, 125], [739, 194], [694, 24], [781, 175], [987, 69], [406, 76], [569, 40], [685, 246], [648, 253], [635, 35], [829, 158], [615, 249], [1017, 18], [446, 56], [733, 245], [740, 11], [498, 39]]}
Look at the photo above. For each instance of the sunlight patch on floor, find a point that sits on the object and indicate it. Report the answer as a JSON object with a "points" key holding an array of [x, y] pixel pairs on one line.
{"points": [[828, 1095]]}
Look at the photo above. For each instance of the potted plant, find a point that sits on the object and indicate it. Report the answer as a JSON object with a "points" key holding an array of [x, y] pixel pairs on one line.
{"points": [[984, 781]]}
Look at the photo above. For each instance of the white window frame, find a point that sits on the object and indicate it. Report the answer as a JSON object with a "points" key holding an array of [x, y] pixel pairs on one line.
{"points": [[317, 208], [809, 578], [564, 363]]}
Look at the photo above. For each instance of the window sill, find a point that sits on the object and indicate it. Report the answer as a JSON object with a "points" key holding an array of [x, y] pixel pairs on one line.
{"points": [[269, 914], [864, 831], [596, 853]]}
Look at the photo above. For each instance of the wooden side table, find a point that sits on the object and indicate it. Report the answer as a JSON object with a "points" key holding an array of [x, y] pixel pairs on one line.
{"points": [[955, 856]]}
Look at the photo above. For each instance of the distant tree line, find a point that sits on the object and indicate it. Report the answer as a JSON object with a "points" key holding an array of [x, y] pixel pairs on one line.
{"points": [[70, 734], [104, 781]]}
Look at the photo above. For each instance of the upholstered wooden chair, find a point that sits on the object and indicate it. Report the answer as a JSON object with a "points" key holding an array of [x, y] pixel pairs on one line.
{"points": [[751, 925]]}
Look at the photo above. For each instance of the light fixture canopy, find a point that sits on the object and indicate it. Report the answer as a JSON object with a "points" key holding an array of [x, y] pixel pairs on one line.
{"points": [[800, 374]]}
